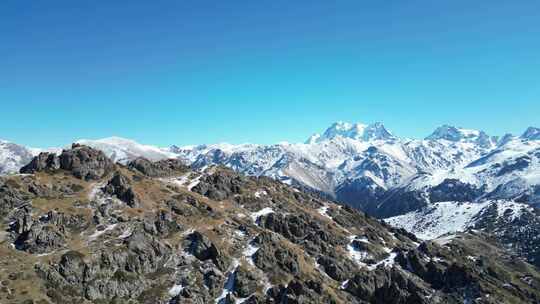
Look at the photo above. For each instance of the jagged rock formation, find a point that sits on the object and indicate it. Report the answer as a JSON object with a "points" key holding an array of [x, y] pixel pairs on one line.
{"points": [[82, 161], [221, 237], [119, 186], [161, 168]]}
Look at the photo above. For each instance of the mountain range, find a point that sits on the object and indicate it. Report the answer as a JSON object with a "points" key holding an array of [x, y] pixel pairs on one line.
{"points": [[76, 227], [363, 165]]}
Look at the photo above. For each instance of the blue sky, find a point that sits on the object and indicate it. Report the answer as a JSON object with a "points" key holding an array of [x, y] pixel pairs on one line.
{"points": [[188, 72]]}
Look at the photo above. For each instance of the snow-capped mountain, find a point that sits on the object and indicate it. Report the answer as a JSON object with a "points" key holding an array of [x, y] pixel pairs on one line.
{"points": [[13, 156], [123, 150], [368, 167], [357, 131], [531, 133], [454, 134]]}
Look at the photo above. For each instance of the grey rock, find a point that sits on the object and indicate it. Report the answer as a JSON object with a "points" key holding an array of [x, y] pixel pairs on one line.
{"points": [[245, 283], [163, 224], [201, 247], [40, 238], [45, 161], [392, 286], [272, 253], [82, 161], [166, 167], [119, 186], [85, 163], [220, 185]]}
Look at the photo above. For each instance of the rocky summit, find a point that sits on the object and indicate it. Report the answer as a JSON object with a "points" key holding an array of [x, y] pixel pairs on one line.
{"points": [[79, 228]]}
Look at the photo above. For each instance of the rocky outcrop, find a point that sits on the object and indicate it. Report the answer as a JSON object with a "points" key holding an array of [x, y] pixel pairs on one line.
{"points": [[85, 163], [245, 283], [272, 253], [454, 190], [220, 185], [39, 238], [162, 168], [112, 273], [204, 249], [392, 286], [119, 186], [10, 199], [82, 161], [300, 229], [44, 161], [42, 235], [163, 224]]}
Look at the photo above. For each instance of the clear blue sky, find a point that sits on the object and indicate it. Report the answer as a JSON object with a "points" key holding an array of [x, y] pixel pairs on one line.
{"points": [[186, 72]]}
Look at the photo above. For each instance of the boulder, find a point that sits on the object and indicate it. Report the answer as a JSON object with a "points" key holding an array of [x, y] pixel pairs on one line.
{"points": [[391, 286], [72, 267], [245, 283], [272, 253], [163, 224], [42, 162], [220, 185], [85, 163], [120, 186], [201, 247], [166, 167], [40, 238], [10, 199]]}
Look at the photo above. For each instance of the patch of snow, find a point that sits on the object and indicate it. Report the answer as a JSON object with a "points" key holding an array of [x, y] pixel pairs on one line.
{"points": [[437, 259], [229, 283], [388, 262], [323, 211], [450, 217], [472, 258], [445, 239], [260, 193], [176, 290], [265, 211], [97, 233], [194, 183], [249, 252], [363, 239], [126, 233], [356, 254], [438, 218], [240, 233], [512, 209]]}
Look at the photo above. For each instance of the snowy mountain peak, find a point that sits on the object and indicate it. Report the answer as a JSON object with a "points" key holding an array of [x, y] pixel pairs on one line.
{"points": [[456, 134], [13, 156], [357, 131], [122, 150], [505, 139], [531, 133], [313, 138], [377, 131]]}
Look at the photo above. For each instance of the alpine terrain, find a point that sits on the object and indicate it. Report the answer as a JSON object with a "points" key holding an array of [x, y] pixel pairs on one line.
{"points": [[80, 228], [355, 214]]}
